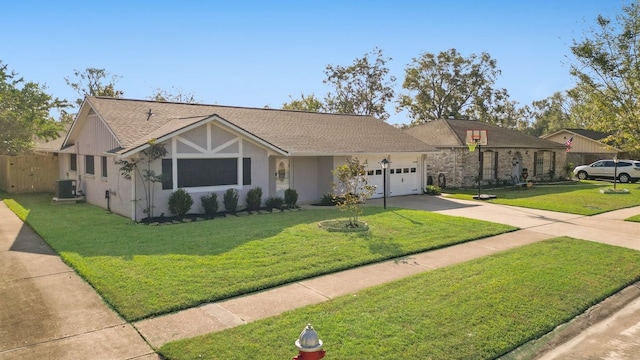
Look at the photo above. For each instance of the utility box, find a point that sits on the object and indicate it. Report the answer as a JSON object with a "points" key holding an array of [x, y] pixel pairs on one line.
{"points": [[65, 188]]}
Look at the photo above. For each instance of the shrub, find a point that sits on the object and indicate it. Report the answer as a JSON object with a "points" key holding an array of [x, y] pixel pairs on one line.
{"points": [[230, 201], [210, 204], [254, 199], [291, 198], [433, 190], [180, 202], [274, 202], [327, 200]]}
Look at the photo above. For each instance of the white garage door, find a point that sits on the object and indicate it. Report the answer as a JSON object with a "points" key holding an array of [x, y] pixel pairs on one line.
{"points": [[404, 176]]}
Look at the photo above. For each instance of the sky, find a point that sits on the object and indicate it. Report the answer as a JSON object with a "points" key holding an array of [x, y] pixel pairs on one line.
{"points": [[264, 53]]}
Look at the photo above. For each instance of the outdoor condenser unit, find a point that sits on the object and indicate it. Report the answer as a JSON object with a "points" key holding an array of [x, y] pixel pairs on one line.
{"points": [[66, 188]]}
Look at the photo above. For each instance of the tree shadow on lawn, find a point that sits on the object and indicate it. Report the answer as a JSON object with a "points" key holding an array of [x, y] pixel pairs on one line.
{"points": [[88, 230]]}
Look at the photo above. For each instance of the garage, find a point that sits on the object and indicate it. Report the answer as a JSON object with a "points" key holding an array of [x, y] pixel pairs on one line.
{"points": [[403, 171]]}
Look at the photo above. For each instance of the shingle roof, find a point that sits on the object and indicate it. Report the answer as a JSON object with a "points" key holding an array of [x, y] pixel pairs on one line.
{"points": [[591, 134], [295, 132], [452, 132]]}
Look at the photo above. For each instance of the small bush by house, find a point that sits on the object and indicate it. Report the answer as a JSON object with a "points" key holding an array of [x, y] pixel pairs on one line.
{"points": [[180, 202], [230, 201]]}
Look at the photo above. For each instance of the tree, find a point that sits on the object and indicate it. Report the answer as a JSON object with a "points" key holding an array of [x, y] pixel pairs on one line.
{"points": [[91, 82], [25, 113], [352, 189], [449, 85], [550, 115], [179, 97], [308, 103], [363, 88], [607, 70], [148, 176]]}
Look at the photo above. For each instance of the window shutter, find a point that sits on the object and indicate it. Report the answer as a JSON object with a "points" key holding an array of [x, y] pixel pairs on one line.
{"points": [[553, 161], [495, 165], [535, 163]]}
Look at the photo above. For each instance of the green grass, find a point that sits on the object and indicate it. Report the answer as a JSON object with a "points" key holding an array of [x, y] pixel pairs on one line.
{"points": [[583, 198], [634, 218], [480, 309], [147, 270]]}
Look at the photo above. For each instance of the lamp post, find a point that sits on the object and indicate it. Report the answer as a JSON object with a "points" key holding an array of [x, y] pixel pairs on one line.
{"points": [[615, 171], [385, 164]]}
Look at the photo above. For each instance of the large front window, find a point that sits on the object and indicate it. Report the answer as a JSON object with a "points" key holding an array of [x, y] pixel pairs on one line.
{"points": [[206, 172]]}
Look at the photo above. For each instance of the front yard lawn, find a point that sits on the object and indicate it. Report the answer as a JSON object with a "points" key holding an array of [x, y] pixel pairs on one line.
{"points": [[480, 309], [582, 198], [147, 270]]}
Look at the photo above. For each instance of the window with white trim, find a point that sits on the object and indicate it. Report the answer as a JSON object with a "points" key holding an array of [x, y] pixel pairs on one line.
{"points": [[206, 172], [89, 165]]}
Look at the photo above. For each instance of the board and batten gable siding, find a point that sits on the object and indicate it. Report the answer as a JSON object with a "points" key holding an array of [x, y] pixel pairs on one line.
{"points": [[96, 140], [581, 144]]}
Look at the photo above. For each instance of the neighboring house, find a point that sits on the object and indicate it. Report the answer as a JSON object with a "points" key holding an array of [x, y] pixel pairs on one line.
{"points": [[507, 155], [214, 148], [586, 146]]}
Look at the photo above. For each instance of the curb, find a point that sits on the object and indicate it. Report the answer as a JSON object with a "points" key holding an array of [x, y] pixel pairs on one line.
{"points": [[563, 333]]}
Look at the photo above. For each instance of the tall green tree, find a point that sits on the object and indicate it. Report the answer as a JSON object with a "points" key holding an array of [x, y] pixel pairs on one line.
{"points": [[363, 88], [607, 69], [450, 85], [550, 115], [306, 103], [94, 82], [25, 113]]}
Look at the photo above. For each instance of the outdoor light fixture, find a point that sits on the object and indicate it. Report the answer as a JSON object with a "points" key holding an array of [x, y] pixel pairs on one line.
{"points": [[385, 164]]}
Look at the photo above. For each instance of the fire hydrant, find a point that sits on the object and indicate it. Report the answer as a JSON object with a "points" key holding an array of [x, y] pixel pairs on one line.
{"points": [[309, 345]]}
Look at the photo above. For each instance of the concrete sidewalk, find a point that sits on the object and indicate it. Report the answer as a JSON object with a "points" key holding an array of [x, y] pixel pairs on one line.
{"points": [[47, 311]]}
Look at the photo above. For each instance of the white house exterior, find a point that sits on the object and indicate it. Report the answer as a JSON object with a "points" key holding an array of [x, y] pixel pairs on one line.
{"points": [[213, 148]]}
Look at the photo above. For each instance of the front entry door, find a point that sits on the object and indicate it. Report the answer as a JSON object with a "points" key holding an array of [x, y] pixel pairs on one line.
{"points": [[282, 176]]}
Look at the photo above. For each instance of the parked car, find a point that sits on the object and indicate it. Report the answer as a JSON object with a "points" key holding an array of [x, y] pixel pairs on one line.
{"points": [[627, 170]]}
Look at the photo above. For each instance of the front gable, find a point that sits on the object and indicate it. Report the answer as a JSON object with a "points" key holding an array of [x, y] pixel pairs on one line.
{"points": [[580, 143]]}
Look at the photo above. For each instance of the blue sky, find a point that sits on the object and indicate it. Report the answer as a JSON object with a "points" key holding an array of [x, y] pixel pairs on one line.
{"points": [[257, 53]]}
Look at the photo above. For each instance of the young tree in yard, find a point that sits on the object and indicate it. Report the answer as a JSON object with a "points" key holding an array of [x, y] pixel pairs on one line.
{"points": [[607, 70], [149, 177], [450, 85], [363, 88], [25, 113], [351, 189], [94, 82]]}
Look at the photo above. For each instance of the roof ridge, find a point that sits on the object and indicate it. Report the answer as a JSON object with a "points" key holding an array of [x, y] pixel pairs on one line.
{"points": [[228, 106]]}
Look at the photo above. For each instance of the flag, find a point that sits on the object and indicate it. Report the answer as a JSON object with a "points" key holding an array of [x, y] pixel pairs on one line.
{"points": [[568, 143]]}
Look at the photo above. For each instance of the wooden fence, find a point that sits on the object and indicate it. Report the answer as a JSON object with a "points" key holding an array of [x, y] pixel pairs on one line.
{"points": [[28, 173]]}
